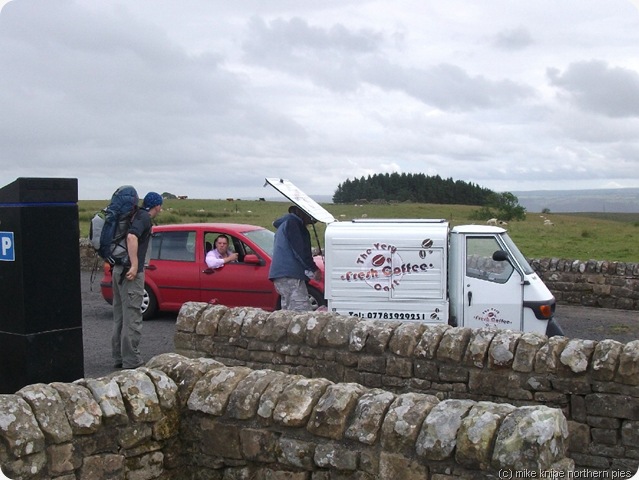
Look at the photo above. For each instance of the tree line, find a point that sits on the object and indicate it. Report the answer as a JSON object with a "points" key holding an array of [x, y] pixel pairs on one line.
{"points": [[420, 188], [411, 187]]}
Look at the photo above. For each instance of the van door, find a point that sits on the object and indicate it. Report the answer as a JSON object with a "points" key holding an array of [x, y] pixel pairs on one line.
{"points": [[493, 290]]}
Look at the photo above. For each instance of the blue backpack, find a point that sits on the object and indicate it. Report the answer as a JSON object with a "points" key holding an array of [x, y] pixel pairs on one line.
{"points": [[109, 228]]}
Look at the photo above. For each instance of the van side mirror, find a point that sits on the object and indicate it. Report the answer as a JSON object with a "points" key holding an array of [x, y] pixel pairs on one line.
{"points": [[500, 256]]}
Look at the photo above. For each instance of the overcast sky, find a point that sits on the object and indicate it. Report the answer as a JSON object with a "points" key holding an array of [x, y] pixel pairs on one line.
{"points": [[206, 98]]}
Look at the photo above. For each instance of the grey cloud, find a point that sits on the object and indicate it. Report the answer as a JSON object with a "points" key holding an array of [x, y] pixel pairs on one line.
{"points": [[592, 128], [327, 56], [596, 87], [341, 60], [513, 39], [82, 88], [297, 36], [106, 64], [448, 87], [202, 97]]}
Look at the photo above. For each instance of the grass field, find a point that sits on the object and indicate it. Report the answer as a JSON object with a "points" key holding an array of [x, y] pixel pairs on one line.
{"points": [[610, 236]]}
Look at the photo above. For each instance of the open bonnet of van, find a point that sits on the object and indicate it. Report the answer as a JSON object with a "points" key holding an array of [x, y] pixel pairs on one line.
{"points": [[301, 200]]}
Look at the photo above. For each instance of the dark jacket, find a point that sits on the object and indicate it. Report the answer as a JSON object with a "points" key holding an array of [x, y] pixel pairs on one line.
{"points": [[292, 249]]}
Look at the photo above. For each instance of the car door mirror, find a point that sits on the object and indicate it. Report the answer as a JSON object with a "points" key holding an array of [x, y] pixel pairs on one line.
{"points": [[252, 259]]}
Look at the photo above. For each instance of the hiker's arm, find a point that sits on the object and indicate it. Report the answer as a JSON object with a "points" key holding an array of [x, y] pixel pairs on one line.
{"points": [[132, 247]]}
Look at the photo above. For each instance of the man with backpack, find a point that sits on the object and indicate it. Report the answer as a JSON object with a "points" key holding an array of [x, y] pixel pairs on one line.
{"points": [[128, 286]]}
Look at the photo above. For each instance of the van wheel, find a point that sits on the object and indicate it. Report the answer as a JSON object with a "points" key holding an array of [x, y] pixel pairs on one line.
{"points": [[149, 305]]}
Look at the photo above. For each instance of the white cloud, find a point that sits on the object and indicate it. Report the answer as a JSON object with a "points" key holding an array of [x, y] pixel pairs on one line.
{"points": [[206, 98]]}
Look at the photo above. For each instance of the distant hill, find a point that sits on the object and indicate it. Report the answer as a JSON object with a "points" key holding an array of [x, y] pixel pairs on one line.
{"points": [[619, 200], [282, 198]]}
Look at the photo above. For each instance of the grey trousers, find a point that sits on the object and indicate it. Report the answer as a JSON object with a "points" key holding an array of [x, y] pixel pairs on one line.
{"points": [[127, 319], [294, 294]]}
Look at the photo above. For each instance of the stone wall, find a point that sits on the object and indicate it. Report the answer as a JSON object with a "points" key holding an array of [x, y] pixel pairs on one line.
{"points": [[88, 257], [121, 426], [181, 418], [592, 283], [595, 384]]}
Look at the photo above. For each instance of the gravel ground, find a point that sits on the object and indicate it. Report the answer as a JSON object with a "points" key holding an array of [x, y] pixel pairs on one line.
{"points": [[157, 335]]}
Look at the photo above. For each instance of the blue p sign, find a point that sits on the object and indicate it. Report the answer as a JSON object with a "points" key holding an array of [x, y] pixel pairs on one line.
{"points": [[7, 247]]}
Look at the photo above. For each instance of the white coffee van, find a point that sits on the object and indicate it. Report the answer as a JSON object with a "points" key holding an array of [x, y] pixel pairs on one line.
{"points": [[424, 270]]}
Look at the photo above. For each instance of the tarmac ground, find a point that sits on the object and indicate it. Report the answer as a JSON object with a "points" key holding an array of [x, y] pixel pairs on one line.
{"points": [[97, 322], [157, 334]]}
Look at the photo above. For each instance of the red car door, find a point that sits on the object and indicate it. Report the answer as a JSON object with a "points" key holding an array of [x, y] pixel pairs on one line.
{"points": [[243, 283], [173, 272]]}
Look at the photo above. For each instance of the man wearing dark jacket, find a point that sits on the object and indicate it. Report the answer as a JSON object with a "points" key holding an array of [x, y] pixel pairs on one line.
{"points": [[293, 259]]}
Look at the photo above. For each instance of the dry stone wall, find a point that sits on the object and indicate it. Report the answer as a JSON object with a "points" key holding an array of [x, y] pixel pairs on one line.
{"points": [[269, 424], [88, 257], [122, 426], [181, 418], [591, 283], [595, 384]]}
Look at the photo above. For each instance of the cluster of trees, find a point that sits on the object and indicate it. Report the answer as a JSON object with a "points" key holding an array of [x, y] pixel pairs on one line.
{"points": [[503, 206], [420, 188]]}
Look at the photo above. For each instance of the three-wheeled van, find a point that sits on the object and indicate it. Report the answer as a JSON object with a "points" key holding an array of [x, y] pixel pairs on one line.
{"points": [[423, 270]]}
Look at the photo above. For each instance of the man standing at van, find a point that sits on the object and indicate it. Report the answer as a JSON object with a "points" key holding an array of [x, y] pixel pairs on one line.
{"points": [[128, 286], [292, 258]]}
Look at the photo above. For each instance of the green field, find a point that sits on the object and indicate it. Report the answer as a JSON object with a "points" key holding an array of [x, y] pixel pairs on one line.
{"points": [[612, 237]]}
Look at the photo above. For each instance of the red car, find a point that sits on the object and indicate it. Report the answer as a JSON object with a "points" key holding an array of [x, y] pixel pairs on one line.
{"points": [[177, 272]]}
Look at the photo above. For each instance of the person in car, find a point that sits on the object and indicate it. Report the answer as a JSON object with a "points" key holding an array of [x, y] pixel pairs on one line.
{"points": [[220, 255], [292, 259]]}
